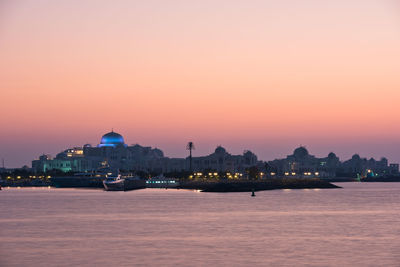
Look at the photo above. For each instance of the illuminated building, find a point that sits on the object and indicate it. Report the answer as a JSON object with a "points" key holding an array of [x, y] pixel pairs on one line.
{"points": [[305, 165], [112, 139], [113, 153]]}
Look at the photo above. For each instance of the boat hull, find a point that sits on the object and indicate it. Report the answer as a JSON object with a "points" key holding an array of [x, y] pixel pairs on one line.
{"points": [[124, 185]]}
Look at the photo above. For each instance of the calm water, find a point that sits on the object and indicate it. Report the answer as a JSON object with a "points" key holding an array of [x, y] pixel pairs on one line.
{"points": [[358, 225]]}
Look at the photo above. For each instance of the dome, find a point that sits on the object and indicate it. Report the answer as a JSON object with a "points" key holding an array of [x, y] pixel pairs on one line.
{"points": [[158, 152], [332, 155], [220, 150], [300, 152], [111, 139], [248, 153]]}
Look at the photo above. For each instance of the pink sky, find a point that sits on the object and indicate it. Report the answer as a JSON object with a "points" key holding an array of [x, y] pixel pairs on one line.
{"points": [[260, 75]]}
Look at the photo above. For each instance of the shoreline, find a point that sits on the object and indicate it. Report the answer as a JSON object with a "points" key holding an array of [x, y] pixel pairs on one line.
{"points": [[227, 185]]}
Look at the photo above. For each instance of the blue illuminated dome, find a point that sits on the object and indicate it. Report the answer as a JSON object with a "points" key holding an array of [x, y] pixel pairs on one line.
{"points": [[111, 139]]}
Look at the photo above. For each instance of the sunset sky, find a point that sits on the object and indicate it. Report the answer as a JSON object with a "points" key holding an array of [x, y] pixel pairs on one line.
{"points": [[266, 76]]}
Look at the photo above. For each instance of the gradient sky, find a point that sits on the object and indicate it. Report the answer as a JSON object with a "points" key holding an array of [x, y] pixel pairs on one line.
{"points": [[260, 75]]}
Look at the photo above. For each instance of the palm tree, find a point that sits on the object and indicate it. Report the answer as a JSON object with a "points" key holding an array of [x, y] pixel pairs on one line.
{"points": [[190, 147]]}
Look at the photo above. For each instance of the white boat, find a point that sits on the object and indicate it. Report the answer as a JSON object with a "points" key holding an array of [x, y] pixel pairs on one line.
{"points": [[118, 183]]}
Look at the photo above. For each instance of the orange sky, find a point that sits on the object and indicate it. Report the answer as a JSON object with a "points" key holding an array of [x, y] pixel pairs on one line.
{"points": [[259, 75]]}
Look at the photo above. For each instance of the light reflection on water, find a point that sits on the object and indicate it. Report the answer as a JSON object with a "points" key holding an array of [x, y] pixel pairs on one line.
{"points": [[358, 225]]}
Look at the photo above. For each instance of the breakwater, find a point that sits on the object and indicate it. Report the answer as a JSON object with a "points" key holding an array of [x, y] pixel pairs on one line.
{"points": [[257, 185]]}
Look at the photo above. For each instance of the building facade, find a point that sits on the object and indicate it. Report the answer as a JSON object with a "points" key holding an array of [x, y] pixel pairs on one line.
{"points": [[112, 152], [222, 161], [301, 163]]}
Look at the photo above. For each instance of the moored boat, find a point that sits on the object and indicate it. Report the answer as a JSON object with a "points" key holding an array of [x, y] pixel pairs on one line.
{"points": [[119, 183], [162, 182]]}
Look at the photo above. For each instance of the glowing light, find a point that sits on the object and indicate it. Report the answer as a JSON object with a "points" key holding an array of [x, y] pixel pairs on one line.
{"points": [[215, 173], [272, 173], [317, 173], [293, 173], [286, 173]]}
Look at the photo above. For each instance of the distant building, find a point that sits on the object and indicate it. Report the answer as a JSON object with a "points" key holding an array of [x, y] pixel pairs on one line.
{"points": [[112, 152], [222, 161], [362, 165], [301, 163], [394, 168]]}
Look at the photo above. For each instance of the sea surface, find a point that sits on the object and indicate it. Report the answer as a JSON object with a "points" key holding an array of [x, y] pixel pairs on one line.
{"points": [[358, 225]]}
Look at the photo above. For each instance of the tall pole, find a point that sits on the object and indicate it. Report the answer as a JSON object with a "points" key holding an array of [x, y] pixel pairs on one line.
{"points": [[190, 147], [190, 157]]}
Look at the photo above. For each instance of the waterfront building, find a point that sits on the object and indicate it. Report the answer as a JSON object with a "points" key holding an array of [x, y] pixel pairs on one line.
{"points": [[113, 153], [302, 164], [394, 168], [361, 165], [222, 161]]}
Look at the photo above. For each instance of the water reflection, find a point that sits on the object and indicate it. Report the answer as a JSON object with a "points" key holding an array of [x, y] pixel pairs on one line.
{"points": [[176, 227]]}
